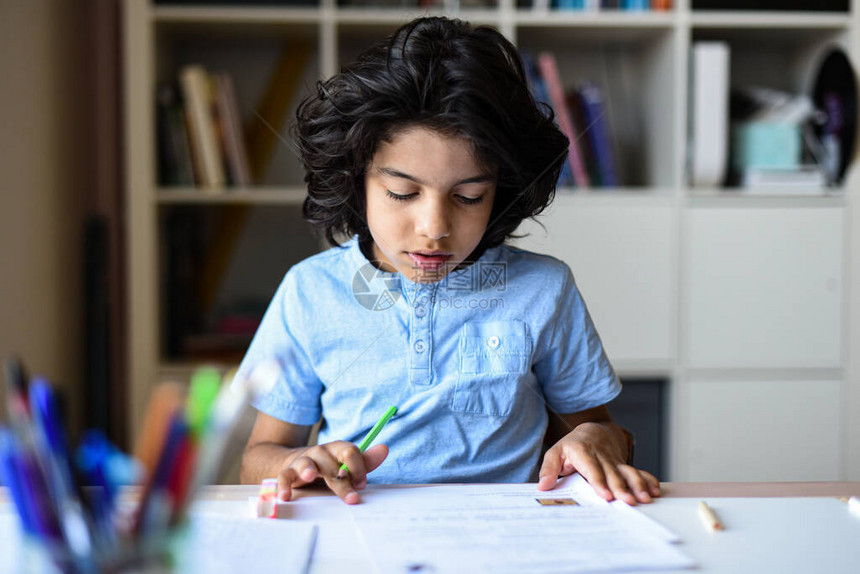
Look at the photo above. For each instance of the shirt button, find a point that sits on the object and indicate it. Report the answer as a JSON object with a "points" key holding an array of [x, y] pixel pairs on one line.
{"points": [[493, 342], [420, 346], [420, 311]]}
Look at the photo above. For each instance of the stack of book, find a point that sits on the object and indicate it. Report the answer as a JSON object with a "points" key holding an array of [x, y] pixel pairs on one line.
{"points": [[582, 115], [596, 5], [200, 137]]}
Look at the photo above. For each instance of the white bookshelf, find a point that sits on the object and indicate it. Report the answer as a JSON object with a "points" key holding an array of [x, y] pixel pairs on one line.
{"points": [[653, 258]]}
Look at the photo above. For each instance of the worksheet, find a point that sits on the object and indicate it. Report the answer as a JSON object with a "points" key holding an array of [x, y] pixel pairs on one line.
{"points": [[509, 528], [219, 542]]}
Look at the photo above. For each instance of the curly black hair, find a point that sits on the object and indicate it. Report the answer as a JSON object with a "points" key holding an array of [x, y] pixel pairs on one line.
{"points": [[436, 73]]}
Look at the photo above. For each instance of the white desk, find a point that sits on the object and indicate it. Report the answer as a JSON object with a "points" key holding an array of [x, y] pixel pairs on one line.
{"points": [[770, 527]]}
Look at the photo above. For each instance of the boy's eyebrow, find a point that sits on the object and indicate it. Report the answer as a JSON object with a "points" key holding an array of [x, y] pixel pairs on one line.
{"points": [[481, 178]]}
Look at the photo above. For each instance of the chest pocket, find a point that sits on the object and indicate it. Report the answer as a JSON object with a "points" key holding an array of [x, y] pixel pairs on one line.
{"points": [[493, 355]]}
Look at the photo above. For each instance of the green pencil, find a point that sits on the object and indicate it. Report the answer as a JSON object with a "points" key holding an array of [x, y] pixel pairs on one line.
{"points": [[373, 432]]}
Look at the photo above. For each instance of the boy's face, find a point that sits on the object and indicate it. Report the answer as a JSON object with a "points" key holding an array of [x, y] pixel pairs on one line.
{"points": [[428, 203]]}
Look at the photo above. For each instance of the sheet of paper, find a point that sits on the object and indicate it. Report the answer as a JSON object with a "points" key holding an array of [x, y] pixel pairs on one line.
{"points": [[221, 539], [504, 528], [220, 542]]}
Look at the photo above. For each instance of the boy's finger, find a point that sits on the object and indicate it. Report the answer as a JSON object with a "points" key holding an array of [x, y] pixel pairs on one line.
{"points": [[307, 470], [618, 486], [343, 488], [374, 456], [592, 471], [653, 483], [352, 458], [286, 479], [636, 482], [549, 470]]}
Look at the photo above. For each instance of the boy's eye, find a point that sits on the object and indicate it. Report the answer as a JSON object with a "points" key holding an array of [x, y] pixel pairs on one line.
{"points": [[399, 197], [470, 200]]}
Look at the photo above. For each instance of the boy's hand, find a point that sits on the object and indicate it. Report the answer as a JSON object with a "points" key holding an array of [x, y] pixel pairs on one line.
{"points": [[591, 450], [323, 462]]}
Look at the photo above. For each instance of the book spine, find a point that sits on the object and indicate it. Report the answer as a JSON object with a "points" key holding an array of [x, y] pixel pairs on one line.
{"points": [[231, 130], [549, 70], [569, 4], [636, 5], [594, 110], [204, 142], [174, 161], [181, 145], [582, 127], [709, 113]]}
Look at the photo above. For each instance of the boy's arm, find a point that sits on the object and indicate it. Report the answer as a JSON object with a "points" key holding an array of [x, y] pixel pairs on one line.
{"points": [[271, 445], [589, 442]]}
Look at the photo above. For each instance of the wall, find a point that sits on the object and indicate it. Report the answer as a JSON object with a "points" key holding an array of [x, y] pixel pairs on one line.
{"points": [[43, 188]]}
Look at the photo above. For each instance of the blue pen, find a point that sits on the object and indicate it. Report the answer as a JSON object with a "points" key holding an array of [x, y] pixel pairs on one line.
{"points": [[155, 508], [93, 459], [35, 493], [10, 475], [51, 442]]}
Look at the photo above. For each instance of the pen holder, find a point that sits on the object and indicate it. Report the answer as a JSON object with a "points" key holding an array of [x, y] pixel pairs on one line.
{"points": [[68, 506]]}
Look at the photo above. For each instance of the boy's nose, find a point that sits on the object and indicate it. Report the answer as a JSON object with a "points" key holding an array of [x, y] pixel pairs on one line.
{"points": [[434, 220]]}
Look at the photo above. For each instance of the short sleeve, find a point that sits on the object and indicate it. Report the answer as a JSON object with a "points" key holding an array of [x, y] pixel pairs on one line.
{"points": [[295, 398], [572, 366]]}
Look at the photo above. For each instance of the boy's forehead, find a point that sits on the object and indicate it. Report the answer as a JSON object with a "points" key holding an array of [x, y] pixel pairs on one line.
{"points": [[414, 143]]}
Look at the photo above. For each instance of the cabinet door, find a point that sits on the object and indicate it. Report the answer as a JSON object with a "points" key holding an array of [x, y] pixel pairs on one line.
{"points": [[761, 430], [621, 258], [763, 287]]}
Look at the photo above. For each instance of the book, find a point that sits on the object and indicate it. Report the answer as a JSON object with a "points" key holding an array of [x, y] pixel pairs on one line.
{"points": [[780, 5], [202, 134], [232, 134], [581, 126], [174, 155], [636, 5], [709, 113], [538, 89], [549, 72], [597, 122]]}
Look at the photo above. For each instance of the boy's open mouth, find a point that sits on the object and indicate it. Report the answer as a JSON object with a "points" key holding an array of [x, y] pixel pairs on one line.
{"points": [[429, 260]]}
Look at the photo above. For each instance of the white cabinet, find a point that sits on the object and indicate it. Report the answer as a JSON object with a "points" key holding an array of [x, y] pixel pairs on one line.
{"points": [[767, 430], [621, 254], [762, 287]]}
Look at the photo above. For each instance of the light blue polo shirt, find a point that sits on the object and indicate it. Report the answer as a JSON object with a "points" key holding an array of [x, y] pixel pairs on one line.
{"points": [[471, 362]]}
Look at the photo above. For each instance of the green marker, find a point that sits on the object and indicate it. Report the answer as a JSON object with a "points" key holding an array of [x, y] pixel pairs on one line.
{"points": [[373, 432], [201, 395]]}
